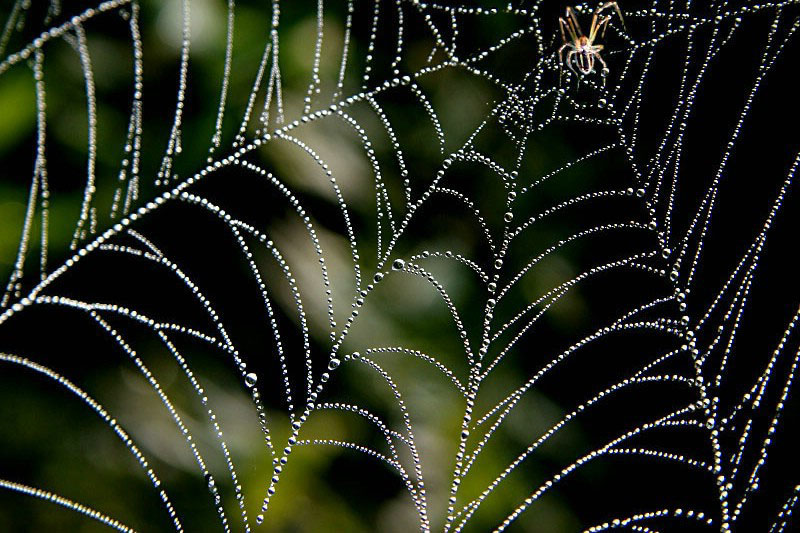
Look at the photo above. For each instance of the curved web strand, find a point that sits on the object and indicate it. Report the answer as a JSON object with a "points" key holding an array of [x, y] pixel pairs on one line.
{"points": [[578, 190]]}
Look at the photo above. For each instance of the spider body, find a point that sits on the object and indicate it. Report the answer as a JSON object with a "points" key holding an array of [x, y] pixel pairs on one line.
{"points": [[581, 52]]}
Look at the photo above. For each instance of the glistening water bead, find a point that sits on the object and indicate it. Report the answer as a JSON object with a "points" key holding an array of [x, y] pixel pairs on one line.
{"points": [[657, 173]]}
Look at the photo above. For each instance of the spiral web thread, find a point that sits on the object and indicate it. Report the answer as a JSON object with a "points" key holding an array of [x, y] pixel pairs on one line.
{"points": [[735, 453]]}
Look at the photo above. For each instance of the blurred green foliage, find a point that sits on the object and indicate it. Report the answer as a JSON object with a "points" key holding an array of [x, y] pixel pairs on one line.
{"points": [[51, 440]]}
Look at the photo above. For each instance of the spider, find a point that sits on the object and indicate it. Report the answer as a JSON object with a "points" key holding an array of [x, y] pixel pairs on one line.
{"points": [[582, 50]]}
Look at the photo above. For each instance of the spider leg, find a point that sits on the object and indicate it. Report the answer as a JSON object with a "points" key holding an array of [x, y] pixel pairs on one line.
{"points": [[605, 67], [616, 8], [565, 24], [573, 20], [593, 27], [601, 27], [570, 59]]}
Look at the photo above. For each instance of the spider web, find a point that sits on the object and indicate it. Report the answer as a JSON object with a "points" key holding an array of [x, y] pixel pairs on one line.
{"points": [[403, 231]]}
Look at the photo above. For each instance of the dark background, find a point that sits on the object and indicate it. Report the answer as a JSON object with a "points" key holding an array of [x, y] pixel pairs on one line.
{"points": [[50, 440]]}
